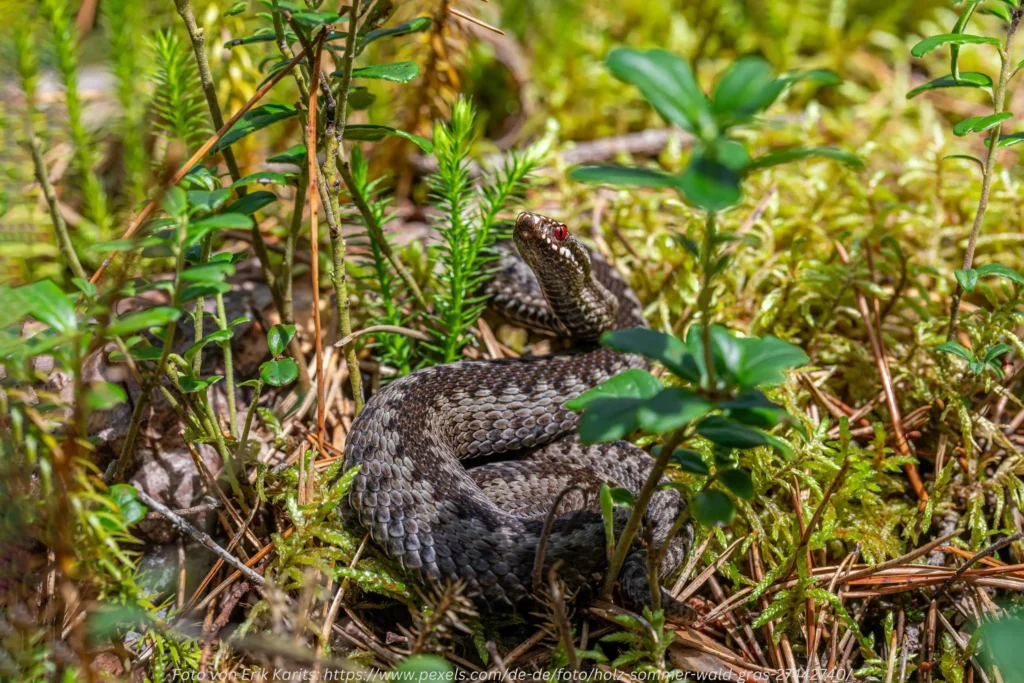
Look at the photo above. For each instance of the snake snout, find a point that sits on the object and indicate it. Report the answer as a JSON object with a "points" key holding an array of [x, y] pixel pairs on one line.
{"points": [[530, 225]]}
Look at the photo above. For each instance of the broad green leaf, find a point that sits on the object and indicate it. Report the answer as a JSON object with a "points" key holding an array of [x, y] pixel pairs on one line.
{"points": [[191, 385], [968, 79], [213, 337], [1003, 638], [933, 42], [262, 35], [1007, 141], [255, 119], [711, 507], [712, 178], [957, 349], [690, 461], [104, 395], [293, 155], [739, 92], [279, 373], [143, 320], [621, 496], [996, 351], [671, 409], [1000, 270], [198, 289], [208, 272], [633, 383], [222, 221], [784, 156], [236, 9], [397, 72], [668, 83], [252, 202], [978, 124], [623, 175], [44, 301], [359, 98], [739, 482], [174, 202], [765, 359], [753, 409], [372, 133], [266, 177], [659, 346], [207, 201], [315, 19], [609, 419], [279, 337], [729, 433], [127, 500], [968, 279]]}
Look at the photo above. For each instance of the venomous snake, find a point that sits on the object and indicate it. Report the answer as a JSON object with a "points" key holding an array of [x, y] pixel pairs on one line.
{"points": [[461, 463]]}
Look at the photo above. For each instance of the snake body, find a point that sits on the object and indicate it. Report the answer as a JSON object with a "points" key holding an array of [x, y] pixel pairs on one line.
{"points": [[461, 463]]}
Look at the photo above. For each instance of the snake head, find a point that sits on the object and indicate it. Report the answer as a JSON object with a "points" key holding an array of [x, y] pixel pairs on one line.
{"points": [[551, 250]]}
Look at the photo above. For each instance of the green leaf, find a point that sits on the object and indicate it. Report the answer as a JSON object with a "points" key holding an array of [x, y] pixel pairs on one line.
{"points": [[254, 120], [293, 155], [634, 383], [765, 359], [115, 246], [621, 496], [958, 28], [933, 42], [417, 25], [279, 373], [996, 351], [712, 178], [104, 395], [711, 507], [424, 668], [174, 202], [191, 385], [668, 83], [671, 409], [151, 317], [664, 348], [978, 124], [223, 221], [397, 72], [729, 433], [1000, 270], [42, 300], [741, 91], [198, 289], [968, 79], [208, 272], [127, 500], [690, 461], [957, 349], [265, 177], [218, 336], [967, 157], [753, 409], [623, 175], [252, 202], [372, 133], [784, 156], [739, 482], [609, 419], [968, 279], [1008, 141], [207, 201], [315, 19], [236, 9], [279, 337]]}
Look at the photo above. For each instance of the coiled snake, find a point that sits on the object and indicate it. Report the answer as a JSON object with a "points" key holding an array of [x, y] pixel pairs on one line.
{"points": [[482, 524]]}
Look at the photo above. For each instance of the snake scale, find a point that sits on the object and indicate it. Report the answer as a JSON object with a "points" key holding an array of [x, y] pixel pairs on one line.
{"points": [[461, 463]]}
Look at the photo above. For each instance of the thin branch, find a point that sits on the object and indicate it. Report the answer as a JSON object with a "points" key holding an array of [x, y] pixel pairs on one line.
{"points": [[67, 249], [561, 619], [990, 550], [549, 522], [805, 537], [201, 537], [394, 329]]}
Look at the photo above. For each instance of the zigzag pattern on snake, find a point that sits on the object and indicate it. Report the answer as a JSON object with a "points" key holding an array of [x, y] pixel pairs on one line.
{"points": [[416, 442]]}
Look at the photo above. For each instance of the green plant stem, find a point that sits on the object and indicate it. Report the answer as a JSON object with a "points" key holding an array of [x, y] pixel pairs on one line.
{"points": [[999, 101], [67, 249], [625, 543], [239, 449], [147, 389], [200, 309], [704, 298], [198, 39], [229, 367]]}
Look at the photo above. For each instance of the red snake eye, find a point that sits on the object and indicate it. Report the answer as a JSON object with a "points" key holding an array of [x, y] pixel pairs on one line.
{"points": [[560, 231]]}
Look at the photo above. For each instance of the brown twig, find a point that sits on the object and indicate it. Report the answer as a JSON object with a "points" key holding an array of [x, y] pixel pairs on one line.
{"points": [[990, 550], [805, 534], [549, 522], [561, 618]]}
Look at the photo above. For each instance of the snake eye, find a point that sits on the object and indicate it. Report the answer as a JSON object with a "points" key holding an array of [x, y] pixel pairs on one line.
{"points": [[560, 231]]}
